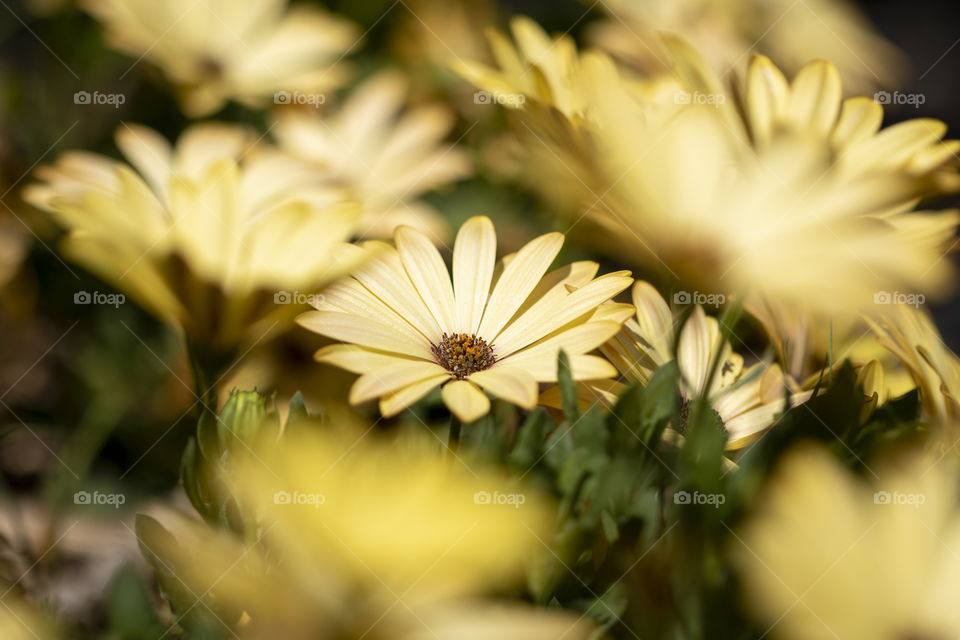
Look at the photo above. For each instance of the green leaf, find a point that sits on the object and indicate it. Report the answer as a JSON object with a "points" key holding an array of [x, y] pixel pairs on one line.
{"points": [[129, 610], [643, 412], [610, 529], [568, 389], [528, 446]]}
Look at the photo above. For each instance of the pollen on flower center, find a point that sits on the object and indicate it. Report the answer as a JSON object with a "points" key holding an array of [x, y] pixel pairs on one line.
{"points": [[462, 354]]}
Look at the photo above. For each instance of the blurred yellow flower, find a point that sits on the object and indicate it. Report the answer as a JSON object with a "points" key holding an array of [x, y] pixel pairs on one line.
{"points": [[385, 156], [539, 70], [498, 329], [747, 401], [912, 337], [371, 538], [781, 221], [812, 108], [677, 175], [827, 556], [20, 622], [805, 344], [221, 50], [203, 234], [727, 31]]}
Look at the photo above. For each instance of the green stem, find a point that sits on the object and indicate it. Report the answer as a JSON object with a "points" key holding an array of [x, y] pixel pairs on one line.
{"points": [[454, 441], [204, 379]]}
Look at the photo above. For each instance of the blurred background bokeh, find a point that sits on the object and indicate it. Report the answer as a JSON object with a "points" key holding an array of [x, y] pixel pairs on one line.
{"points": [[101, 397]]}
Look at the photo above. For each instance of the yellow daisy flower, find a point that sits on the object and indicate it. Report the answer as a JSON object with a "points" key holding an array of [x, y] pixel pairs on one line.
{"points": [[735, 202], [912, 337], [828, 556], [202, 233], [812, 107], [759, 210], [384, 155], [542, 69], [747, 401], [804, 343], [498, 329], [220, 50]]}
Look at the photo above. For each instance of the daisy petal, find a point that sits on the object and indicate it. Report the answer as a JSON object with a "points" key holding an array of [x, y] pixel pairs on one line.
{"points": [[604, 392], [427, 271], [860, 118], [694, 350], [542, 319], [356, 359], [385, 276], [474, 257], [149, 152], [509, 383], [366, 332], [654, 317], [393, 377], [518, 280], [815, 98], [574, 341], [465, 400], [582, 367], [393, 403], [767, 92]]}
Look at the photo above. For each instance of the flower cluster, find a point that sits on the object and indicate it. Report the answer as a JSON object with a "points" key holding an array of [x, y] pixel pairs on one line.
{"points": [[490, 334]]}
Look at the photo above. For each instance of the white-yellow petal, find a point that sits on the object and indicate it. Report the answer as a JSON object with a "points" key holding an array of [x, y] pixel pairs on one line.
{"points": [[465, 400], [509, 383], [429, 275], [393, 403], [653, 317], [391, 378], [474, 257], [517, 281], [367, 332], [549, 315], [357, 359]]}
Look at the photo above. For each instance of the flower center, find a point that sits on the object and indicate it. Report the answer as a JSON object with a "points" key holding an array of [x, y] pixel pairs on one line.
{"points": [[685, 410], [463, 354]]}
